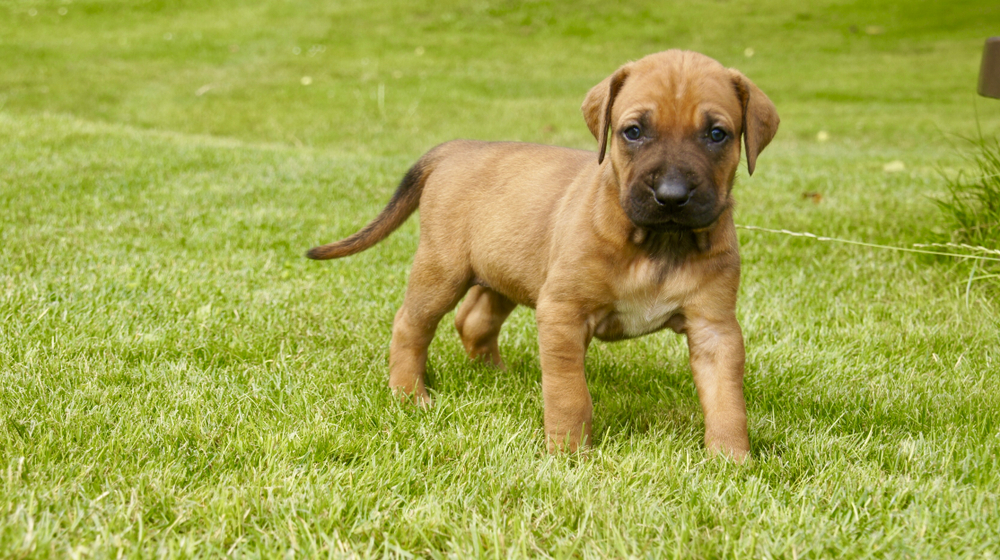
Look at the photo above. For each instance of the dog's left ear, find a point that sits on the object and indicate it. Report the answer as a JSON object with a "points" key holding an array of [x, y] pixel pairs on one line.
{"points": [[760, 117], [597, 107]]}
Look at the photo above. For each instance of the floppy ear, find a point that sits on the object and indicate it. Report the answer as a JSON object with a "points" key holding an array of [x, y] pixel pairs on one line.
{"points": [[597, 107], [760, 118]]}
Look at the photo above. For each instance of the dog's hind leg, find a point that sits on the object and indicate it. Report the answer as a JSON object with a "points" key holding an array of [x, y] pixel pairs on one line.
{"points": [[478, 321], [433, 291]]}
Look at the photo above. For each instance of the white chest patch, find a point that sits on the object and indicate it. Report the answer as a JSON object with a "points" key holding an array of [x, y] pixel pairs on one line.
{"points": [[645, 302], [642, 315]]}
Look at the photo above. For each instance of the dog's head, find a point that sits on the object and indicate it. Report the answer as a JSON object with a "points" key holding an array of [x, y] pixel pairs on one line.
{"points": [[671, 125]]}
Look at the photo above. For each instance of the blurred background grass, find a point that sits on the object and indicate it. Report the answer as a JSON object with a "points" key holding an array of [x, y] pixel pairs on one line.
{"points": [[399, 76]]}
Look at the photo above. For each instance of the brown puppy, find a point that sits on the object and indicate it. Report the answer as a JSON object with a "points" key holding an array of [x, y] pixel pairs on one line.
{"points": [[612, 245]]}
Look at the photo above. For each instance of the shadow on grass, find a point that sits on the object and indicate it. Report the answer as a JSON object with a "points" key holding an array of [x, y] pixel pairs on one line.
{"points": [[632, 394]]}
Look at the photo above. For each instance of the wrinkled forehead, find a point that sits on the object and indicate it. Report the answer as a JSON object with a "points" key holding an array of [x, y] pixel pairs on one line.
{"points": [[680, 94]]}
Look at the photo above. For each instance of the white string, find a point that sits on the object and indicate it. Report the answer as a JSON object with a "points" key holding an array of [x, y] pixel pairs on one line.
{"points": [[889, 247], [959, 246]]}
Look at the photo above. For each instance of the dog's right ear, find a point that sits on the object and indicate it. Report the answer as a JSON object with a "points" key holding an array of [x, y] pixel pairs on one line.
{"points": [[597, 107], [760, 117]]}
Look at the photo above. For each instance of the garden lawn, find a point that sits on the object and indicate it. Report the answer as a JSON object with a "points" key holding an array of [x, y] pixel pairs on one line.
{"points": [[178, 381]]}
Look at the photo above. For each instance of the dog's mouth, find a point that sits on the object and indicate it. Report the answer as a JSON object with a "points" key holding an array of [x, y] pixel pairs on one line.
{"points": [[669, 225], [675, 225]]}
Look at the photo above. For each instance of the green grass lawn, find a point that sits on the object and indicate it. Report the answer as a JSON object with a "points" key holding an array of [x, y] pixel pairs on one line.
{"points": [[177, 380]]}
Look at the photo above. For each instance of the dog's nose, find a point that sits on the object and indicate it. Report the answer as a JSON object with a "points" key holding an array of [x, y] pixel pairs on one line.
{"points": [[671, 191]]}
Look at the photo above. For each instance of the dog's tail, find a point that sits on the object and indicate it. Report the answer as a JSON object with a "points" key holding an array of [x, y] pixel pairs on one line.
{"points": [[402, 204]]}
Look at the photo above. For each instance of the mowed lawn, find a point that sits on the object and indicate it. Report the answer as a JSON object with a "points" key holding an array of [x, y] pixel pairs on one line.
{"points": [[178, 381]]}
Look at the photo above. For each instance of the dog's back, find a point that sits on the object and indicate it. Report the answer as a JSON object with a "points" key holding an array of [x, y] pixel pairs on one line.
{"points": [[508, 194]]}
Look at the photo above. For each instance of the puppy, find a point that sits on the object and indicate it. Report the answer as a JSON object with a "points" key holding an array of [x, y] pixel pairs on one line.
{"points": [[610, 245]]}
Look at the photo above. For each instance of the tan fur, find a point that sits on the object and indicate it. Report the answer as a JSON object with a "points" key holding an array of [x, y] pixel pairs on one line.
{"points": [[565, 231]]}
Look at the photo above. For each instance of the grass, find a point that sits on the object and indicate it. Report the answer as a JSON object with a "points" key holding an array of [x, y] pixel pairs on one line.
{"points": [[973, 204], [177, 381]]}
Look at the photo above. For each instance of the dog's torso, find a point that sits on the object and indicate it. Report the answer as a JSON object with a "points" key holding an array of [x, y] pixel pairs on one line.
{"points": [[509, 195], [524, 229]]}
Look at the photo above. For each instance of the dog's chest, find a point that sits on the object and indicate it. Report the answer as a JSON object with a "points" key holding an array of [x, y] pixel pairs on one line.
{"points": [[646, 301], [643, 315]]}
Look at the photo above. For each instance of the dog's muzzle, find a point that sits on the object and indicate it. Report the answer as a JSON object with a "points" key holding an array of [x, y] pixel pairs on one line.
{"points": [[671, 201]]}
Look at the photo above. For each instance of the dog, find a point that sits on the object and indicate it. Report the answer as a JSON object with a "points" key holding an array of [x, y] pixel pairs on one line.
{"points": [[611, 245]]}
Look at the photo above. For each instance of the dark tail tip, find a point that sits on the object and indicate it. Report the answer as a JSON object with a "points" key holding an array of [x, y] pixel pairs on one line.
{"points": [[402, 204], [335, 250]]}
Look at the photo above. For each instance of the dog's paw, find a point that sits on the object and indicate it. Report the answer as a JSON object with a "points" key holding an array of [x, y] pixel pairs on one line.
{"points": [[419, 397]]}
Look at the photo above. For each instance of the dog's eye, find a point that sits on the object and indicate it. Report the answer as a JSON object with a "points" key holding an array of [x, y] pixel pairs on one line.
{"points": [[717, 134], [632, 133]]}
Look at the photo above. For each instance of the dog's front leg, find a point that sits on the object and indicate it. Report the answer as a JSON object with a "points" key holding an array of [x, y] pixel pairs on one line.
{"points": [[717, 359], [563, 337]]}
